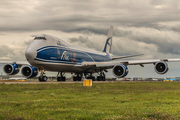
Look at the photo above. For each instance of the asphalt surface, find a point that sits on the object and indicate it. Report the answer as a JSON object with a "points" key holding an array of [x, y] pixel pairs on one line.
{"points": [[48, 82], [61, 82]]}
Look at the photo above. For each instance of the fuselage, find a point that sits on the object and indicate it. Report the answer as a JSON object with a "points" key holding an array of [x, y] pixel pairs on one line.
{"points": [[53, 54]]}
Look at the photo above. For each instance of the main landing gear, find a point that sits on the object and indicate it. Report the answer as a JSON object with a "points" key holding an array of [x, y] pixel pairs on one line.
{"points": [[78, 77], [101, 77], [61, 78], [89, 76], [42, 78]]}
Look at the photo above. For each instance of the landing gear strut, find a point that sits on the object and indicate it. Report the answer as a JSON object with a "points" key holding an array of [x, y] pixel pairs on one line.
{"points": [[61, 78], [42, 78], [78, 77], [89, 76], [101, 77]]}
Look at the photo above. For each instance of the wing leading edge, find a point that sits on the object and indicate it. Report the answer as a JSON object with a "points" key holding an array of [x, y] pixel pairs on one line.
{"points": [[15, 62]]}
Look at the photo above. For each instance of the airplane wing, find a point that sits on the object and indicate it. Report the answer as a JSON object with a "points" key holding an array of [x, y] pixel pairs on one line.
{"points": [[19, 63], [120, 69], [111, 64]]}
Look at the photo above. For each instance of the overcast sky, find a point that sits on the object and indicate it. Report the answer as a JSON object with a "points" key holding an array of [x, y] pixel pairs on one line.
{"points": [[150, 27]]}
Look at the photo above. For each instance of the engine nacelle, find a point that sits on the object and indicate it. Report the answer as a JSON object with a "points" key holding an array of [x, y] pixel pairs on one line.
{"points": [[120, 70], [161, 67], [11, 69], [29, 71]]}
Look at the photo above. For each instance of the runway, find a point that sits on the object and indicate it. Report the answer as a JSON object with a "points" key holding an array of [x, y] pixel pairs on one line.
{"points": [[48, 82], [66, 82]]}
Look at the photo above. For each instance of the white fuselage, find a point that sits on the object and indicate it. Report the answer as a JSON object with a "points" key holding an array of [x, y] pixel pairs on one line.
{"points": [[54, 54]]}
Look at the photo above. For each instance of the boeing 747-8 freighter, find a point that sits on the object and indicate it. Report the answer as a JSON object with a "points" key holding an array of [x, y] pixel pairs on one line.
{"points": [[49, 53]]}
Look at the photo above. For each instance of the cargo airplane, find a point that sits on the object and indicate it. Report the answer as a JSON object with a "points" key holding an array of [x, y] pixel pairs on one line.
{"points": [[49, 53]]}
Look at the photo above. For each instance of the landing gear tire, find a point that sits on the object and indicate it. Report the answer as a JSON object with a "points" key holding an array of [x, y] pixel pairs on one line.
{"points": [[42, 79], [104, 78], [78, 77], [62, 78], [100, 78], [58, 78], [91, 77], [74, 78]]}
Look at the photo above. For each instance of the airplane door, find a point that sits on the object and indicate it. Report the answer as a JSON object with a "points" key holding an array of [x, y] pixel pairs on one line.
{"points": [[73, 56]]}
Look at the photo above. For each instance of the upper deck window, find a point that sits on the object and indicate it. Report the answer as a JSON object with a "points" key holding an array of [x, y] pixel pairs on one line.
{"points": [[39, 38]]}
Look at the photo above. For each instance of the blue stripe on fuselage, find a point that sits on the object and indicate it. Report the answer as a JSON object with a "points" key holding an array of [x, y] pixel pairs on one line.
{"points": [[56, 54], [45, 47], [48, 61]]}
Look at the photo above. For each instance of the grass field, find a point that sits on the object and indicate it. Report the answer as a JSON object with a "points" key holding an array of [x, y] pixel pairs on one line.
{"points": [[109, 101]]}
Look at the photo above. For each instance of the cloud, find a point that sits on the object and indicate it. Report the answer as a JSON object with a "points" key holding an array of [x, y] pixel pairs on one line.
{"points": [[134, 40], [166, 41], [26, 43], [14, 51], [86, 42], [74, 16], [7, 53]]}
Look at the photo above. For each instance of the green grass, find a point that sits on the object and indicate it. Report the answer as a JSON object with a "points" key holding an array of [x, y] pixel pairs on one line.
{"points": [[109, 101]]}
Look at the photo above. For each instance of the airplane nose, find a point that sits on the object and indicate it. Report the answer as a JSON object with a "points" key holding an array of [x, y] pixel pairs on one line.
{"points": [[30, 54]]}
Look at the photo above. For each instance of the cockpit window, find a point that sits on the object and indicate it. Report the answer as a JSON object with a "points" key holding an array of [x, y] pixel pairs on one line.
{"points": [[39, 38]]}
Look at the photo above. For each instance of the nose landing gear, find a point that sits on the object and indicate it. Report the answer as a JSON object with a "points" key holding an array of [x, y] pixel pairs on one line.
{"points": [[42, 78]]}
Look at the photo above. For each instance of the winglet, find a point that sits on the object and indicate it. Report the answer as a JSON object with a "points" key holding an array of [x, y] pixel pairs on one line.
{"points": [[108, 45]]}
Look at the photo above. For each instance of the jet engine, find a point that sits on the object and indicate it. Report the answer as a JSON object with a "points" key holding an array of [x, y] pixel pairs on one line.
{"points": [[11, 69], [29, 71], [120, 70], [161, 67]]}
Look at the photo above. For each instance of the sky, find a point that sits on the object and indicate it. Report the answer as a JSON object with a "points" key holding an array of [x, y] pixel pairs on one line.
{"points": [[150, 27]]}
